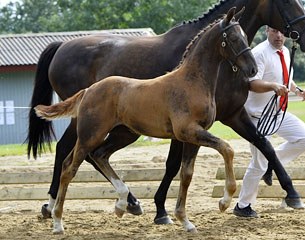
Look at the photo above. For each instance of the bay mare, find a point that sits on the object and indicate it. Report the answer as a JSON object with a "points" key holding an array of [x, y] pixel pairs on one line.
{"points": [[99, 56], [179, 105]]}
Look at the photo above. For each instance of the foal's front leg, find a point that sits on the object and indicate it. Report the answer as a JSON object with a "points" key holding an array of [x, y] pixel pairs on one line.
{"points": [[187, 168], [203, 138]]}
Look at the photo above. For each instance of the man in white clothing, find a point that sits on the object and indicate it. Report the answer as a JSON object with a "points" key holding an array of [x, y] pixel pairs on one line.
{"points": [[269, 80]]}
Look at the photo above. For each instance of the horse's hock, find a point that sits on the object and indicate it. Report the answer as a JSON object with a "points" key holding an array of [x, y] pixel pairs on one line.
{"points": [[33, 184], [297, 174]]}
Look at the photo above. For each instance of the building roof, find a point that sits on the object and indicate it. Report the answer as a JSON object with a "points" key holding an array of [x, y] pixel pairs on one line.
{"points": [[25, 49]]}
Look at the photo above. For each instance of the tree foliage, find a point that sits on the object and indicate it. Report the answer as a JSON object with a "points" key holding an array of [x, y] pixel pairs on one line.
{"points": [[70, 15], [35, 16]]}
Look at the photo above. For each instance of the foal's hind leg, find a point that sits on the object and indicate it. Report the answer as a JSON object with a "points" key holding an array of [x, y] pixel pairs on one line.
{"points": [[118, 138], [119, 185], [63, 148], [70, 167]]}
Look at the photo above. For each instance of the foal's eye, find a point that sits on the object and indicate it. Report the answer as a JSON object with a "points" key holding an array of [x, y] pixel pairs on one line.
{"points": [[234, 37]]}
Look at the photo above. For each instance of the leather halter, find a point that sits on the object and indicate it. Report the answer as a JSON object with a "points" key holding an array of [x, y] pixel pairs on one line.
{"points": [[288, 31], [226, 42]]}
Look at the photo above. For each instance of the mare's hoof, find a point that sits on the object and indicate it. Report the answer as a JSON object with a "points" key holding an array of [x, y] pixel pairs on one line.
{"points": [[45, 212], [163, 220], [192, 230], [135, 209], [267, 177], [295, 203]]}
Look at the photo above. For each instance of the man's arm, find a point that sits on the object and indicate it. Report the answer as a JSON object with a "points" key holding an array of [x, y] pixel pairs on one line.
{"points": [[260, 86]]}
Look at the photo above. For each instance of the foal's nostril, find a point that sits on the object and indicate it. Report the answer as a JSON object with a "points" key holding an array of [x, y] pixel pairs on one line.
{"points": [[253, 71]]}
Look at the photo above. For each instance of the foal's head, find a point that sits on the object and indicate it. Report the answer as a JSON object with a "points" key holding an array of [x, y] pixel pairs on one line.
{"points": [[225, 39], [234, 45]]}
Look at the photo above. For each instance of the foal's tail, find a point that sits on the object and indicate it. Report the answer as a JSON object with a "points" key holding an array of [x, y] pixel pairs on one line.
{"points": [[39, 130], [67, 108]]}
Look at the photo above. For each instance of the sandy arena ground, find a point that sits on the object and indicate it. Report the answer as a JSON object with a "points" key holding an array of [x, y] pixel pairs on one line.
{"points": [[94, 219]]}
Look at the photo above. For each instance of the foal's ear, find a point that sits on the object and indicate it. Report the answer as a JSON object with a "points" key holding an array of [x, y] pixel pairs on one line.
{"points": [[238, 15], [230, 15]]}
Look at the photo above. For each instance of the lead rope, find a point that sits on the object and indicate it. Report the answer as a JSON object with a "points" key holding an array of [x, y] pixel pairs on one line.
{"points": [[267, 123]]}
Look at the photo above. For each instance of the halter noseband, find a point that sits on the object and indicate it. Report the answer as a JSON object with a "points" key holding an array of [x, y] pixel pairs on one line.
{"points": [[225, 42]]}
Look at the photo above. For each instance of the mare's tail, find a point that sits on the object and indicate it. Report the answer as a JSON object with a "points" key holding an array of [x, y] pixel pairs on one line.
{"points": [[67, 108], [39, 130]]}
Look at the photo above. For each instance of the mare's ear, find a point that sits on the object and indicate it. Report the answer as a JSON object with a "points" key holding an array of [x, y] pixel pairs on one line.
{"points": [[229, 15], [238, 15]]}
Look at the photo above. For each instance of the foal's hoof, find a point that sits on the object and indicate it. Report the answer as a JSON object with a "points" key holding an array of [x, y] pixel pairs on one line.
{"points": [[45, 212], [223, 205], [58, 232], [163, 220], [119, 212], [135, 209], [295, 203], [58, 227]]}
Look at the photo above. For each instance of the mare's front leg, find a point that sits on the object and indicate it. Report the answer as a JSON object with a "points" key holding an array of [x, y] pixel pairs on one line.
{"points": [[242, 125], [70, 167], [173, 164]]}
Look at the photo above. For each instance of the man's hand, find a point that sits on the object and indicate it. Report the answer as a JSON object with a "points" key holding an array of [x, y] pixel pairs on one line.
{"points": [[279, 89], [300, 93]]}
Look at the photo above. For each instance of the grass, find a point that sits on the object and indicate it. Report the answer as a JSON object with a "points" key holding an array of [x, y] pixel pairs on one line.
{"points": [[16, 149], [218, 129], [224, 132], [21, 149]]}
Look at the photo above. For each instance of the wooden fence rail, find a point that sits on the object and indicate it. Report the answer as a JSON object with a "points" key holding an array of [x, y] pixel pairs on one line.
{"points": [[87, 184], [274, 191]]}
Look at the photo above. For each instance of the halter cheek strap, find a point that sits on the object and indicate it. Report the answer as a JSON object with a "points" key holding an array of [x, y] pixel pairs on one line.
{"points": [[288, 31], [225, 42]]}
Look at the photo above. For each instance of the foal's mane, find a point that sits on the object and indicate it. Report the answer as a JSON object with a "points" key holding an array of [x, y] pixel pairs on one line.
{"points": [[195, 40]]}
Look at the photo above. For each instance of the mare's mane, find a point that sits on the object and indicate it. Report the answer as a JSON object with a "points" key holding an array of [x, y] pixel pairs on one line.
{"points": [[195, 40], [210, 12]]}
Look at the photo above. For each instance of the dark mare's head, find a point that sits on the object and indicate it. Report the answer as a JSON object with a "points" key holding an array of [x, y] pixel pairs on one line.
{"points": [[287, 16], [293, 19]]}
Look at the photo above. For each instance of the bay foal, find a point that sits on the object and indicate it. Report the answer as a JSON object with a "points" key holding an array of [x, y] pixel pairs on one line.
{"points": [[179, 105]]}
